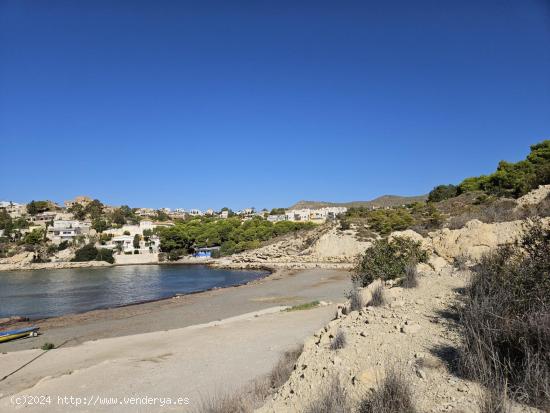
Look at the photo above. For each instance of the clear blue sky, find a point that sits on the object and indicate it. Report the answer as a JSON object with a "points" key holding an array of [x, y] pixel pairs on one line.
{"points": [[262, 103]]}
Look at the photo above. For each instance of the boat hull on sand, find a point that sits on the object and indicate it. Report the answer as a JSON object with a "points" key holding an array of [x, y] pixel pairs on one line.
{"points": [[14, 334]]}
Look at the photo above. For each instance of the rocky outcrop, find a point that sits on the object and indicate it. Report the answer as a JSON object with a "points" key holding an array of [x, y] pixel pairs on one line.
{"points": [[324, 247], [534, 197], [472, 241]]}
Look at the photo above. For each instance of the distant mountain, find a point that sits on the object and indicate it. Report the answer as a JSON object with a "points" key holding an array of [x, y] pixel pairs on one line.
{"points": [[381, 201]]}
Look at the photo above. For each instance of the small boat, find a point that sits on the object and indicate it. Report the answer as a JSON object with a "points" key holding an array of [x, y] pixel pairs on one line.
{"points": [[23, 332]]}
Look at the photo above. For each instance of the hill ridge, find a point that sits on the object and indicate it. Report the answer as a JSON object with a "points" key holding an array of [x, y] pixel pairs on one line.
{"points": [[381, 201]]}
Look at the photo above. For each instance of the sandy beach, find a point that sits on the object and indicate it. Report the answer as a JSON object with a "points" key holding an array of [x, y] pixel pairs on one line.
{"points": [[181, 345]]}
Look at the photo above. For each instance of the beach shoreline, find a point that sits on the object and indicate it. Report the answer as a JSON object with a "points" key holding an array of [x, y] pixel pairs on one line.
{"points": [[278, 288]]}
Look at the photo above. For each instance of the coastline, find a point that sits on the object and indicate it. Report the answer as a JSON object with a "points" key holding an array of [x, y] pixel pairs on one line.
{"points": [[279, 288]]}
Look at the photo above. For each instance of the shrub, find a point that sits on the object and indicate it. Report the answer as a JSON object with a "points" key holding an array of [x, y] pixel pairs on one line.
{"points": [[411, 276], [90, 253], [506, 320], [47, 346], [174, 255], [87, 253], [378, 296], [105, 254], [387, 260], [339, 341], [332, 399], [52, 249], [344, 224], [385, 221], [63, 245], [393, 395]]}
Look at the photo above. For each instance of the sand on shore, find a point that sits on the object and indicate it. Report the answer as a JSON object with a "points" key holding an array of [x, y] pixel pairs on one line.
{"points": [[171, 348]]}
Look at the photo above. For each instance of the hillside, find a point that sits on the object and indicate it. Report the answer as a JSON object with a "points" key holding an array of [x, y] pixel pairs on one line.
{"points": [[381, 201]]}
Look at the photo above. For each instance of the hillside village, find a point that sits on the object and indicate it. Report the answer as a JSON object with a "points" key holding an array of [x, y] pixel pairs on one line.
{"points": [[44, 231]]}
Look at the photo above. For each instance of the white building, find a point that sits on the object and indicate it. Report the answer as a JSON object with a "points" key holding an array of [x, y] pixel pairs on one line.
{"points": [[131, 229], [195, 212], [64, 230], [145, 212], [277, 218], [315, 215], [125, 243]]}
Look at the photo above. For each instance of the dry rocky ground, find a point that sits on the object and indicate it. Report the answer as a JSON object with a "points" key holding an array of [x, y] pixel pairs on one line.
{"points": [[415, 332]]}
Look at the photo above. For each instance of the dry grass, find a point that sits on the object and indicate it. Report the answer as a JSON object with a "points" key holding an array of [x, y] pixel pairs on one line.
{"points": [[411, 277], [506, 322], [304, 306], [393, 395], [493, 401], [378, 298], [284, 367], [339, 341], [253, 396], [333, 399], [356, 299]]}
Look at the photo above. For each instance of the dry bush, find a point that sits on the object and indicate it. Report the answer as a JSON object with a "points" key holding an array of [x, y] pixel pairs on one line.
{"points": [[339, 341], [460, 262], [378, 296], [356, 299], [223, 403], [497, 210], [411, 277], [493, 401], [393, 395], [253, 396], [332, 399], [284, 367], [506, 320]]}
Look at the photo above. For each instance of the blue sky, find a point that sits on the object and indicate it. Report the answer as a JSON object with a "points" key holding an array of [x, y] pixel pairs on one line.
{"points": [[257, 103]]}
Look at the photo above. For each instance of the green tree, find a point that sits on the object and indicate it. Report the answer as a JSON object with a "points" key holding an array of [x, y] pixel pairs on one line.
{"points": [[99, 224], [514, 179], [137, 239], [161, 216], [34, 237], [441, 192], [6, 222], [36, 207], [78, 211], [94, 209]]}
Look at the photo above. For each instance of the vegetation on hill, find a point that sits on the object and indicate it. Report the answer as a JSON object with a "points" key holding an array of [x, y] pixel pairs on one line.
{"points": [[384, 201], [420, 216], [506, 324], [231, 234], [36, 207], [510, 180]]}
